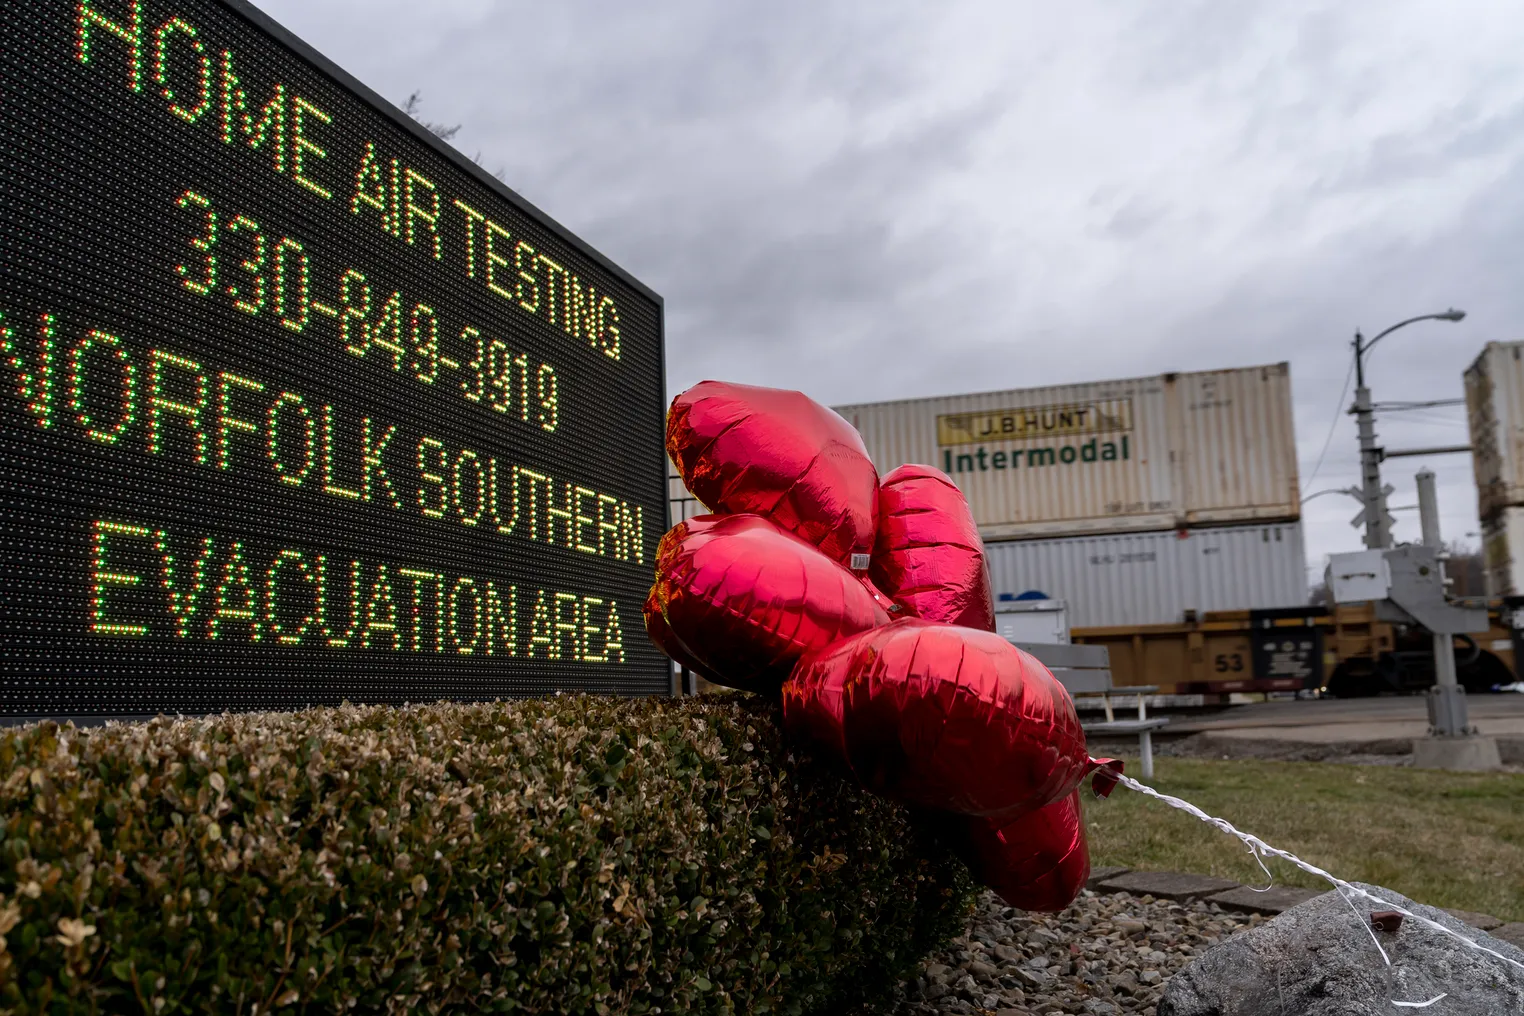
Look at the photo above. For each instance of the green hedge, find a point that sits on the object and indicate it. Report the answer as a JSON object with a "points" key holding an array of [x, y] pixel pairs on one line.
{"points": [[565, 855]]}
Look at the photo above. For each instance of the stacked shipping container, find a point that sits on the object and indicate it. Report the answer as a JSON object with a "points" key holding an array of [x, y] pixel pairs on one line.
{"points": [[1495, 413], [1131, 579], [1146, 454], [1133, 500]]}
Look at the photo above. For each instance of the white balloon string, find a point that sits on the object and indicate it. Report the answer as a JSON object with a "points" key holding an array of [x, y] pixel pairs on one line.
{"points": [[1259, 860], [1346, 889], [1423, 1005]]}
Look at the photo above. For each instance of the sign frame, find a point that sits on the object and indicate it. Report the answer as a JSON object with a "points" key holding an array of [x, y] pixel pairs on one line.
{"points": [[319, 65]]}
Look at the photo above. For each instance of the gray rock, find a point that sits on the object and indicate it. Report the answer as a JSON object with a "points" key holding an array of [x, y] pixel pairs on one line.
{"points": [[1317, 959]]}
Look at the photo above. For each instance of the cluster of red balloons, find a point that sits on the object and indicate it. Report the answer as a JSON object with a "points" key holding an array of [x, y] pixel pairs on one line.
{"points": [[867, 604]]}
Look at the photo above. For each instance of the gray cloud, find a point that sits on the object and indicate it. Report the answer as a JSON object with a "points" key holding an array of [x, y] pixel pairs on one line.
{"points": [[885, 200]]}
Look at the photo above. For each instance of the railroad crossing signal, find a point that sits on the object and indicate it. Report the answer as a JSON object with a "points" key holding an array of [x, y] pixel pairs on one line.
{"points": [[1360, 518]]}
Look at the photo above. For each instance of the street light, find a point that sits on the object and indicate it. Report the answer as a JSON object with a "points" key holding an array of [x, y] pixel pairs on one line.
{"points": [[1378, 534], [1361, 350]]}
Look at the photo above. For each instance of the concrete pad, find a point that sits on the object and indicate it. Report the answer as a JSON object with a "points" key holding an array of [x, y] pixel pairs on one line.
{"points": [[1512, 933], [1330, 733], [1481, 922], [1459, 754], [1275, 900], [1167, 885], [1099, 875], [1373, 719], [1511, 750], [1337, 733]]}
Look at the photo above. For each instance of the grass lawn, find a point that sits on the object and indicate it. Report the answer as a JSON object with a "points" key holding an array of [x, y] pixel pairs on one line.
{"points": [[1445, 839]]}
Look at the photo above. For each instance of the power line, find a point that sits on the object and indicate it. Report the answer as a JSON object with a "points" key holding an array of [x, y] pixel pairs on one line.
{"points": [[1334, 423], [1397, 407]]}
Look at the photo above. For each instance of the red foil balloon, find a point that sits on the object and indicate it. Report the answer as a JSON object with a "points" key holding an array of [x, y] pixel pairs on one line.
{"points": [[928, 554], [666, 641], [742, 600], [779, 454], [1038, 862], [941, 717]]}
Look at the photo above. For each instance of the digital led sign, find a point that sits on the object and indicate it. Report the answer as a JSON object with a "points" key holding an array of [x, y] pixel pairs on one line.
{"points": [[298, 405]]}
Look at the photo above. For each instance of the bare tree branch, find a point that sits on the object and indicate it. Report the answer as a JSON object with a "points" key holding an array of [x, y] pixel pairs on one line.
{"points": [[412, 106], [441, 131]]}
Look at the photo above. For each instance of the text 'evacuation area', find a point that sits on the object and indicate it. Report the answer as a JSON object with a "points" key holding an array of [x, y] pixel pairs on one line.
{"points": [[149, 582]]}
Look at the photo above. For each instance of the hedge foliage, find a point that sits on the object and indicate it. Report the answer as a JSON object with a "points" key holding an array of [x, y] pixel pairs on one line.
{"points": [[564, 855]]}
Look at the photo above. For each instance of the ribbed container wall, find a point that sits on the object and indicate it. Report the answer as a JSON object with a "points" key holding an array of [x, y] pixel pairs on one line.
{"points": [[1503, 552], [1239, 445], [1142, 454], [1495, 412], [1154, 578]]}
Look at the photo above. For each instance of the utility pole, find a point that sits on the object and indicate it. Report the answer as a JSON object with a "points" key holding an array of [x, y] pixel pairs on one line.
{"points": [[1378, 521], [1378, 531]]}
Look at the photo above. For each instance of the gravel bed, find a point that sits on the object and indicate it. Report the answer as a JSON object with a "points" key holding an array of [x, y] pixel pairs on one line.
{"points": [[1106, 954]]}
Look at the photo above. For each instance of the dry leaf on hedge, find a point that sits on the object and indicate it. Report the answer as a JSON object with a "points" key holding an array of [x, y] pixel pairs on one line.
{"points": [[73, 932]]}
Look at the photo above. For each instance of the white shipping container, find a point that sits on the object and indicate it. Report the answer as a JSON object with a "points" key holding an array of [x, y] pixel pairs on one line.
{"points": [[1140, 578], [1165, 452], [1495, 412], [681, 504], [1044, 622], [1503, 552], [1154, 578]]}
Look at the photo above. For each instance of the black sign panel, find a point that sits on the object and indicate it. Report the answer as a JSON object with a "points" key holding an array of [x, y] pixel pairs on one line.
{"points": [[297, 405], [1287, 651]]}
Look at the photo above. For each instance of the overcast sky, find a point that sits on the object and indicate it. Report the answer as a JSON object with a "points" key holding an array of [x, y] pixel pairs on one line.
{"points": [[878, 200]]}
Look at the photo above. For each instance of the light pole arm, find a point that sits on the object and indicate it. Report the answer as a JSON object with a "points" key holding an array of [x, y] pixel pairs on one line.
{"points": [[1449, 315], [1354, 492]]}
